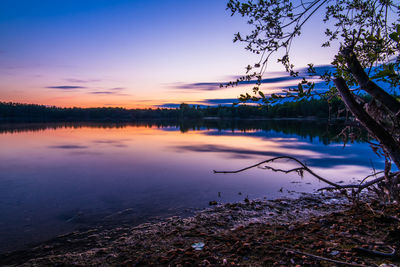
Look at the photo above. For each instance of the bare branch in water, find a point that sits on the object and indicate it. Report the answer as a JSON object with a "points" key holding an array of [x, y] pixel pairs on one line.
{"points": [[298, 170], [361, 187]]}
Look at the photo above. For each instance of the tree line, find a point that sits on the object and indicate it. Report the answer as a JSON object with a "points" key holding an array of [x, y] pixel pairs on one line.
{"points": [[18, 112]]}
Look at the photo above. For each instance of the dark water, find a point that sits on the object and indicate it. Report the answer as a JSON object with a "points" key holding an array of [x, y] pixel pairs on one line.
{"points": [[55, 178]]}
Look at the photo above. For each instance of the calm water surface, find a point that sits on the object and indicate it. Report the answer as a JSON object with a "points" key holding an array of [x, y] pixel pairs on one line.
{"points": [[58, 178]]}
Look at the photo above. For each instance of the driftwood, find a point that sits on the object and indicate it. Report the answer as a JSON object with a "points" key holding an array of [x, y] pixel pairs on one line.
{"points": [[325, 259], [391, 254], [298, 170], [333, 186]]}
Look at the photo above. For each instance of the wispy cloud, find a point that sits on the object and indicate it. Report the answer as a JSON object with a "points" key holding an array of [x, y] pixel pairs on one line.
{"points": [[203, 103], [220, 101], [205, 86], [91, 90], [66, 87], [321, 69], [82, 81], [102, 93], [213, 86], [278, 77], [108, 93], [111, 104]]}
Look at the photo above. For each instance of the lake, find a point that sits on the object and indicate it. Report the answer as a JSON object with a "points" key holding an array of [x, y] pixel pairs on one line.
{"points": [[57, 178]]}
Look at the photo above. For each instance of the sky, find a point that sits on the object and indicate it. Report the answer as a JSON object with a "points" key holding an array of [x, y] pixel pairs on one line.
{"points": [[130, 53]]}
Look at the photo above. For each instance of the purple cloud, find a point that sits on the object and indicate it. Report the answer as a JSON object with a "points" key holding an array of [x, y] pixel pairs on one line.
{"points": [[213, 86], [102, 93], [108, 93], [283, 77], [66, 87], [82, 81]]}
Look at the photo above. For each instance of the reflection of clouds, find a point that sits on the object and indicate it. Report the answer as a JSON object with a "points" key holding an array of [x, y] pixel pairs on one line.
{"points": [[69, 147], [341, 145], [84, 153], [340, 157], [66, 87], [350, 173], [113, 143], [289, 139], [291, 144], [316, 155], [247, 153]]}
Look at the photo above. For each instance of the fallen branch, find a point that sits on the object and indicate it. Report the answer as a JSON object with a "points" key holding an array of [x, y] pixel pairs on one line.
{"points": [[303, 167], [325, 259], [391, 254], [361, 187], [333, 186]]}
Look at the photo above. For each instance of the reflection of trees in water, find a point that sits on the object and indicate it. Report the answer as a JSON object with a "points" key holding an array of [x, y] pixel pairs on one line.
{"points": [[310, 129], [35, 127]]}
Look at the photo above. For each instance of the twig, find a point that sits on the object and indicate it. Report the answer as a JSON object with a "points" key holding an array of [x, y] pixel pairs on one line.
{"points": [[303, 167], [377, 212], [374, 174], [360, 187], [377, 253], [325, 259]]}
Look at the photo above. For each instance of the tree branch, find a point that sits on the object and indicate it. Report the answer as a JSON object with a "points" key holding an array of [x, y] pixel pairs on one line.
{"points": [[323, 258], [391, 254], [360, 187], [303, 167], [367, 85]]}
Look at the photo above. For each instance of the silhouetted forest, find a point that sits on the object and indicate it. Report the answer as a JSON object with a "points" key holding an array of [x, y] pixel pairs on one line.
{"points": [[16, 112]]}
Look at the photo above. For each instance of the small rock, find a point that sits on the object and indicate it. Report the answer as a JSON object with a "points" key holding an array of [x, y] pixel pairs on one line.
{"points": [[334, 253], [198, 246], [212, 203]]}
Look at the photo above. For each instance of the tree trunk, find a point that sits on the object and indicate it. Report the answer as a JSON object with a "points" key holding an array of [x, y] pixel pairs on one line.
{"points": [[390, 145], [367, 85]]}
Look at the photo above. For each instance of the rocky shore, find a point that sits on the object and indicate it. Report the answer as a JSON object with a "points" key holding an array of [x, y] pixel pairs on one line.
{"points": [[312, 230]]}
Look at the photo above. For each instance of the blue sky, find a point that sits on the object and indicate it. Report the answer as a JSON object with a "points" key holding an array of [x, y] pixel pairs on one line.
{"points": [[128, 53]]}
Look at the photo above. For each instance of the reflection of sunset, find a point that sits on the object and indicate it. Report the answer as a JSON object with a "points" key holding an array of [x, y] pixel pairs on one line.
{"points": [[49, 170], [129, 141]]}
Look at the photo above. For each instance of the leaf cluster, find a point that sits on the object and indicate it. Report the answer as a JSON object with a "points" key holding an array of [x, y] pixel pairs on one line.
{"points": [[370, 28]]}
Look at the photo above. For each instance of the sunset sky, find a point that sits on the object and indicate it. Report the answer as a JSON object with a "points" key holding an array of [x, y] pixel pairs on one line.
{"points": [[129, 53]]}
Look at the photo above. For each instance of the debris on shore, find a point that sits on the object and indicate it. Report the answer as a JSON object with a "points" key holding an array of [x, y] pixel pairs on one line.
{"points": [[312, 230]]}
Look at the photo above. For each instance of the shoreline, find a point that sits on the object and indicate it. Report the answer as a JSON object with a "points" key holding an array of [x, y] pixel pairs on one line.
{"points": [[279, 232], [93, 245]]}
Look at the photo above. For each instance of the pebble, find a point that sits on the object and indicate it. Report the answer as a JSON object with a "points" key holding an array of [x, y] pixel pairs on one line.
{"points": [[334, 253]]}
